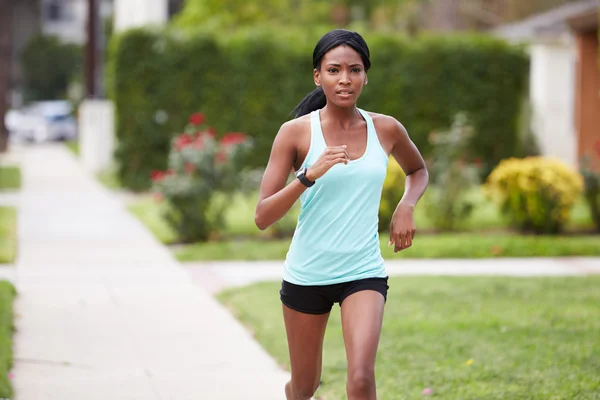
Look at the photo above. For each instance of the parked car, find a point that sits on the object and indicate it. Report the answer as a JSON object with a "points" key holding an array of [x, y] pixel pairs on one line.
{"points": [[42, 121]]}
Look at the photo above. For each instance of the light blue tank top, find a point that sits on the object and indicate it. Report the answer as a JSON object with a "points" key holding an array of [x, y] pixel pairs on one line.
{"points": [[336, 239]]}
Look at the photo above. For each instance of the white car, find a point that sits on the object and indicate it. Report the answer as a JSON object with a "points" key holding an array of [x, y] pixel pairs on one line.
{"points": [[42, 121]]}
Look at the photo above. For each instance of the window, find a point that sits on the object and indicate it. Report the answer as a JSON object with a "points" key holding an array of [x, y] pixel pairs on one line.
{"points": [[53, 10]]}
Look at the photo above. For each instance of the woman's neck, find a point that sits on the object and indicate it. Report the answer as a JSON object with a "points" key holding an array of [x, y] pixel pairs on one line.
{"points": [[344, 116]]}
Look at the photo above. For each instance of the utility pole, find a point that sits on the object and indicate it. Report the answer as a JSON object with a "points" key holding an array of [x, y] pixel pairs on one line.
{"points": [[5, 63], [92, 55]]}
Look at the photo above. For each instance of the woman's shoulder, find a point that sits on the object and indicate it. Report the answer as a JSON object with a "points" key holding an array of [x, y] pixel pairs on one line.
{"points": [[295, 126], [386, 124]]}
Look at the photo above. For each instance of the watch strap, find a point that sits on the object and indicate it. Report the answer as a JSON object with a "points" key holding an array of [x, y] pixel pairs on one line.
{"points": [[302, 178]]}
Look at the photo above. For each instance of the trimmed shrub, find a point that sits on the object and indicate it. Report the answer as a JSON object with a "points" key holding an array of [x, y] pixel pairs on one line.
{"points": [[201, 168], [535, 193], [250, 81]]}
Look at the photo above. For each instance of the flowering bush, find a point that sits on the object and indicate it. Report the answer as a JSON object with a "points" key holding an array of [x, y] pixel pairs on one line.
{"points": [[202, 172], [591, 178], [447, 200], [535, 193]]}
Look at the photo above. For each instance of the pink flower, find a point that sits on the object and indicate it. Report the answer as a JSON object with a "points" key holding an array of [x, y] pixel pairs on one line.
{"points": [[233, 138], [189, 167], [197, 118], [11, 376], [158, 197], [427, 392]]}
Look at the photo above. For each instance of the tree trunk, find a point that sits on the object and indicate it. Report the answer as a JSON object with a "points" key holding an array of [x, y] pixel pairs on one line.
{"points": [[5, 63]]}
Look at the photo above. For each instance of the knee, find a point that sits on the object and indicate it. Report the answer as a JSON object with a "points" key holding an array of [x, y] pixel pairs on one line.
{"points": [[361, 382]]}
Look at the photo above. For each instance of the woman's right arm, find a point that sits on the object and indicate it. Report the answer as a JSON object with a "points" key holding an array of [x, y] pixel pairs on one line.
{"points": [[275, 198]]}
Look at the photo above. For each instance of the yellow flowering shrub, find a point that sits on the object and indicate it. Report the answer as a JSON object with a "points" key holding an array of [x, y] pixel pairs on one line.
{"points": [[535, 193], [393, 189]]}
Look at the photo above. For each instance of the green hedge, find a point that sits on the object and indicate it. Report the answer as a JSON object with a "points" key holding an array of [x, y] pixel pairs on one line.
{"points": [[7, 294], [249, 81]]}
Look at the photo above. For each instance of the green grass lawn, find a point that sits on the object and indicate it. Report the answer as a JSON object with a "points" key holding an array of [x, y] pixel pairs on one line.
{"points": [[8, 235], [528, 338], [109, 179], [7, 294], [446, 245], [484, 234], [10, 178]]}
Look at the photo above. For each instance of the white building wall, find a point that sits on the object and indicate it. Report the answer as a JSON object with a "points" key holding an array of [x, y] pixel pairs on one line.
{"points": [[552, 86], [135, 13], [72, 26]]}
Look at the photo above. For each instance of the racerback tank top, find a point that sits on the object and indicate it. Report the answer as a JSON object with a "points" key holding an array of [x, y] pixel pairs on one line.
{"points": [[336, 238]]}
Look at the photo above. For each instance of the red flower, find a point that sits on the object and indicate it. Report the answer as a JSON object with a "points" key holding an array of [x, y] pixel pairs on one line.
{"points": [[233, 138], [212, 132], [182, 141], [189, 167], [197, 118], [157, 176]]}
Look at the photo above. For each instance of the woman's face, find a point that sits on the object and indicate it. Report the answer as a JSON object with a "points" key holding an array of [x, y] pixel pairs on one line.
{"points": [[341, 75]]}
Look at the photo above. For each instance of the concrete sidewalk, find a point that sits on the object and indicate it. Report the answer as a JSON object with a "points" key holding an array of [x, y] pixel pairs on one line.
{"points": [[216, 276], [105, 312]]}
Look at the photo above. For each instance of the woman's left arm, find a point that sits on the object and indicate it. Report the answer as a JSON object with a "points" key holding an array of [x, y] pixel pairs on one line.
{"points": [[404, 151]]}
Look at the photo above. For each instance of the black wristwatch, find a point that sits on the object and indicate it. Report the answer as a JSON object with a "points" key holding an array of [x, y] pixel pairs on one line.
{"points": [[301, 175]]}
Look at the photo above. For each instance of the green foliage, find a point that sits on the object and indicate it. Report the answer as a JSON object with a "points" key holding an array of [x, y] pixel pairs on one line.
{"points": [[535, 193], [591, 181], [49, 66], [449, 204], [236, 13], [393, 189], [200, 168], [250, 80], [426, 82], [7, 294], [8, 235]]}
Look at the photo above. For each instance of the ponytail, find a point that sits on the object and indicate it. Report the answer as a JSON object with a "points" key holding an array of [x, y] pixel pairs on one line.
{"points": [[315, 100]]}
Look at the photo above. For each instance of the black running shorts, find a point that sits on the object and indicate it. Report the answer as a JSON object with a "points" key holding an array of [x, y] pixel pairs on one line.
{"points": [[320, 299]]}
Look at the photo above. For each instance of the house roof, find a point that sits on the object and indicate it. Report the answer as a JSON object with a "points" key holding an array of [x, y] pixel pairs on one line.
{"points": [[551, 24]]}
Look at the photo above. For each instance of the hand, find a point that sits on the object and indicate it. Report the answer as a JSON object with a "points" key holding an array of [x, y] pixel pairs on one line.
{"points": [[402, 228], [331, 156]]}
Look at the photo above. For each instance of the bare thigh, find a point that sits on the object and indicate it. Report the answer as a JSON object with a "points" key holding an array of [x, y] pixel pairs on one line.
{"points": [[362, 318], [305, 333]]}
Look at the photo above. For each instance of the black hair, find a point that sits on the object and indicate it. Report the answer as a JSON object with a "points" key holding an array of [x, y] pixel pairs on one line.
{"points": [[316, 100]]}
